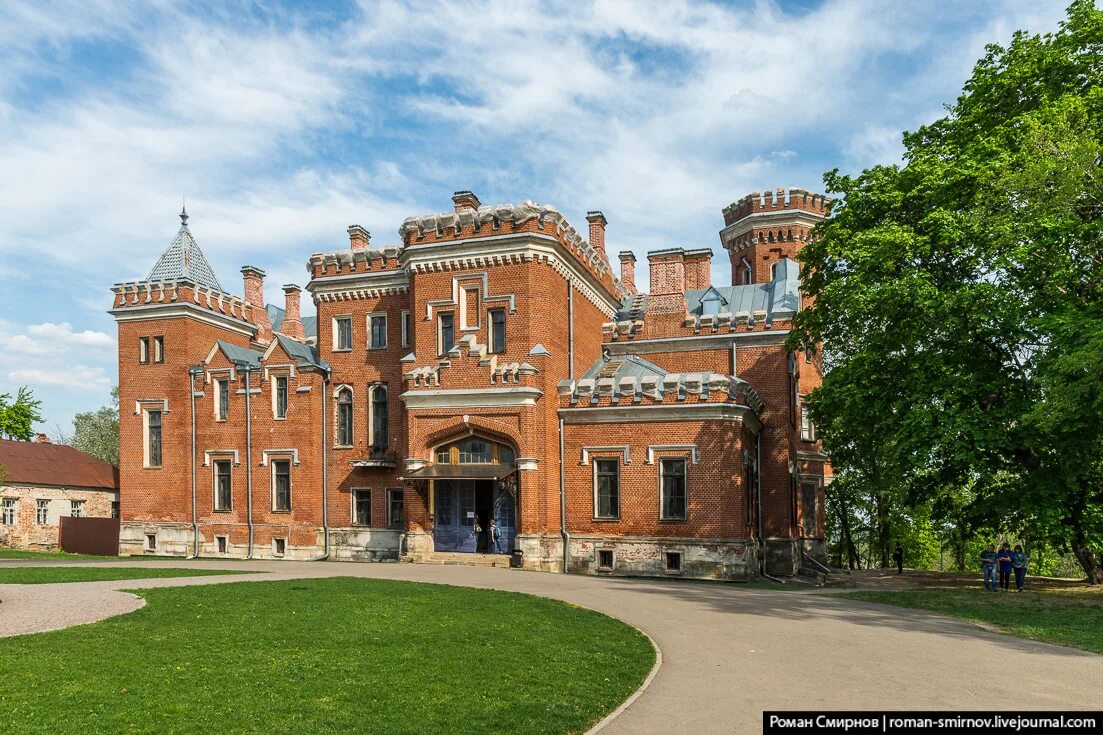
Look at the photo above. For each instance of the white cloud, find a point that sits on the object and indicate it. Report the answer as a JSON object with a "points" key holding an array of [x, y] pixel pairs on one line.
{"points": [[78, 377], [64, 331]]}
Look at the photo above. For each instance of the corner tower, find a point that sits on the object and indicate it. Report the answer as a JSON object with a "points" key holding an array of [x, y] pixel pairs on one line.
{"points": [[764, 227]]}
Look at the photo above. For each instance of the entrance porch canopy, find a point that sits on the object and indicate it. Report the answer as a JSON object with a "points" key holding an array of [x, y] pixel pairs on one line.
{"points": [[460, 472]]}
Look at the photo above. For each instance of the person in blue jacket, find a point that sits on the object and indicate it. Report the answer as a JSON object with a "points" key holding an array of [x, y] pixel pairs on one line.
{"points": [[1004, 559], [988, 564], [1018, 565]]}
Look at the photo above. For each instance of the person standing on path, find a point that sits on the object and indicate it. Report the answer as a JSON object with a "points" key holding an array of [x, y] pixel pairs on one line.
{"points": [[898, 557], [1004, 558], [494, 536], [988, 564], [1018, 565]]}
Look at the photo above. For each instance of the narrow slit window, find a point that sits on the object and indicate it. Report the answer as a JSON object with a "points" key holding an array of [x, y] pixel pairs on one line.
{"points": [[159, 349], [223, 485], [498, 330], [143, 350], [281, 484], [344, 418], [153, 438], [606, 488], [446, 331], [222, 405], [281, 397]]}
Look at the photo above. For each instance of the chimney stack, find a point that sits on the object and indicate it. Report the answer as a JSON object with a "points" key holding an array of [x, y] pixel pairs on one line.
{"points": [[597, 230], [465, 200], [292, 313], [628, 271], [698, 266], [254, 296], [668, 282], [358, 237], [42, 439]]}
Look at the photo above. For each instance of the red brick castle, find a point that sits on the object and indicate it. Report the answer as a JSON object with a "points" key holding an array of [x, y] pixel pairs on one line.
{"points": [[489, 365]]}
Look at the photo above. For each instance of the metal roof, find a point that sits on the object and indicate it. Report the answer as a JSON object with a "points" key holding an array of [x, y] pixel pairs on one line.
{"points": [[184, 260], [623, 366], [34, 463], [240, 355], [304, 355], [276, 316]]}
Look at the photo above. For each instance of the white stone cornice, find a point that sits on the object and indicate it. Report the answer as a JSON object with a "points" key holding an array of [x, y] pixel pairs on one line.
{"points": [[662, 412], [472, 398], [182, 310]]}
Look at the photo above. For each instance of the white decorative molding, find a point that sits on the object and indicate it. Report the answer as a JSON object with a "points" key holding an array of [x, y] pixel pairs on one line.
{"points": [[663, 412], [415, 463], [527, 464], [182, 310], [220, 453], [304, 388], [138, 403], [696, 342], [266, 453], [268, 368], [472, 398], [624, 449], [691, 448]]}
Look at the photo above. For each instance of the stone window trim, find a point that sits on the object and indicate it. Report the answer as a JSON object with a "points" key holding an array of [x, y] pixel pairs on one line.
{"points": [[442, 344], [276, 414], [485, 297], [405, 323], [354, 493], [469, 318], [662, 490], [287, 369], [144, 350], [144, 404], [672, 451], [273, 466], [588, 451], [215, 508], [158, 342], [42, 511], [337, 318], [208, 454], [221, 404], [491, 341], [371, 332], [151, 542], [147, 434], [613, 518], [672, 561], [213, 374], [807, 426], [600, 553], [279, 546], [338, 392], [267, 455]]}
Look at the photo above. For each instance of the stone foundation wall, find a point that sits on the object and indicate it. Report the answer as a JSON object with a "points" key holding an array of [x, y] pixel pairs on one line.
{"points": [[782, 557], [647, 557]]}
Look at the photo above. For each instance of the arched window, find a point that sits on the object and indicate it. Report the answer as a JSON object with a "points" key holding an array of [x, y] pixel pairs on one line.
{"points": [[379, 417], [474, 450], [344, 417]]}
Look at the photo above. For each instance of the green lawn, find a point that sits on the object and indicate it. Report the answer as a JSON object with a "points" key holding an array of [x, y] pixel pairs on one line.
{"points": [[49, 575], [338, 655], [1071, 616], [50, 555]]}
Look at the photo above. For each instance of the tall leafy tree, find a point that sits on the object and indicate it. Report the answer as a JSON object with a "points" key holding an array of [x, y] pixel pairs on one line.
{"points": [[97, 432], [18, 417], [960, 296]]}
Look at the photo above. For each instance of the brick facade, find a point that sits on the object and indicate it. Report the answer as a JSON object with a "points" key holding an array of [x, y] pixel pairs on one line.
{"points": [[488, 363]]}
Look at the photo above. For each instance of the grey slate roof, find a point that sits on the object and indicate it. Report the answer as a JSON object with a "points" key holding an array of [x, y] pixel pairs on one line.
{"points": [[782, 293], [623, 366], [276, 316], [304, 355], [240, 355], [184, 259]]}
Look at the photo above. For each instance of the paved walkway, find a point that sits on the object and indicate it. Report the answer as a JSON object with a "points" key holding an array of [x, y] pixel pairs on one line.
{"points": [[729, 652]]}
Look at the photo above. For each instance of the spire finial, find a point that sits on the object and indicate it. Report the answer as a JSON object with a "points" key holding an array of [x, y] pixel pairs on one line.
{"points": [[184, 212]]}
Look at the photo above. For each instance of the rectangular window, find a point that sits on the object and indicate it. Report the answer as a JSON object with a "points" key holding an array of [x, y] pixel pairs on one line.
{"points": [[808, 492], [159, 349], [807, 428], [281, 397], [605, 559], [115, 508], [153, 438], [673, 561], [396, 513], [361, 507], [279, 546], [76, 508], [672, 478], [446, 331], [281, 484], [41, 511], [220, 544], [498, 330], [405, 329], [342, 333], [7, 511], [222, 399], [151, 542], [223, 487], [143, 350], [606, 488], [378, 331]]}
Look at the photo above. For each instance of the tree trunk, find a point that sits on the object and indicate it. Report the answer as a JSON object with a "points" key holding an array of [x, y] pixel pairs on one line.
{"points": [[848, 538], [883, 530], [1089, 561]]}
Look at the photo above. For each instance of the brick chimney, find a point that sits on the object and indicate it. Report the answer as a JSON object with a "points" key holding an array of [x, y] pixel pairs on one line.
{"points": [[254, 296], [292, 318], [465, 200], [668, 282], [628, 270], [698, 265], [597, 230], [42, 439], [358, 237]]}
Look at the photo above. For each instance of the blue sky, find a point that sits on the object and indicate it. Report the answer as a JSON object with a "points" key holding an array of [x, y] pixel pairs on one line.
{"points": [[284, 124]]}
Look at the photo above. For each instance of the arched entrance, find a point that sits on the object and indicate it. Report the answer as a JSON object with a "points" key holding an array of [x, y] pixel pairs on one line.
{"points": [[474, 481]]}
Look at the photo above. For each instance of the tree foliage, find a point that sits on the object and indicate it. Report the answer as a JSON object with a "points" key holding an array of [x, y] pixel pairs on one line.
{"points": [[959, 295], [18, 417], [97, 432]]}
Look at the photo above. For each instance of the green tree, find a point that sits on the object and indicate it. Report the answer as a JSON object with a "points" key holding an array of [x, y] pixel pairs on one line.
{"points": [[18, 417], [960, 298], [97, 432]]}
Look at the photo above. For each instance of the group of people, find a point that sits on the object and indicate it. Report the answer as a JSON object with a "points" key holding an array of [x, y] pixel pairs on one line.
{"points": [[1007, 562], [493, 536]]}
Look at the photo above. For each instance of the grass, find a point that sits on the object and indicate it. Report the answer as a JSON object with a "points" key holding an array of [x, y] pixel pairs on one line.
{"points": [[50, 575], [325, 656], [51, 555], [1068, 616]]}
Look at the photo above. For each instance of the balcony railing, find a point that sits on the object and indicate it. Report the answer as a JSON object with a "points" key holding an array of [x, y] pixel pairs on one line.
{"points": [[377, 457]]}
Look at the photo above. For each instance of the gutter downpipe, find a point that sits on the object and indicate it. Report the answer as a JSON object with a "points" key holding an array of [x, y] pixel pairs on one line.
{"points": [[248, 459], [761, 530], [570, 327], [563, 502], [192, 373], [325, 473]]}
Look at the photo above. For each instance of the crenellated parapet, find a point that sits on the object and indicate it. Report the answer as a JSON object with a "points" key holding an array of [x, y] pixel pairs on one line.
{"points": [[671, 388], [180, 291], [353, 261], [779, 200], [505, 219], [477, 355]]}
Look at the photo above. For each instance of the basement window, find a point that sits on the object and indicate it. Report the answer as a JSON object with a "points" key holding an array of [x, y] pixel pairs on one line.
{"points": [[605, 560], [673, 561], [151, 542], [279, 546], [220, 544]]}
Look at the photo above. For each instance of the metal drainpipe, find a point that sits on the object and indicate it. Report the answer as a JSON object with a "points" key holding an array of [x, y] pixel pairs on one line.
{"points": [[570, 327], [194, 511], [563, 502], [325, 474], [761, 531], [248, 460]]}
